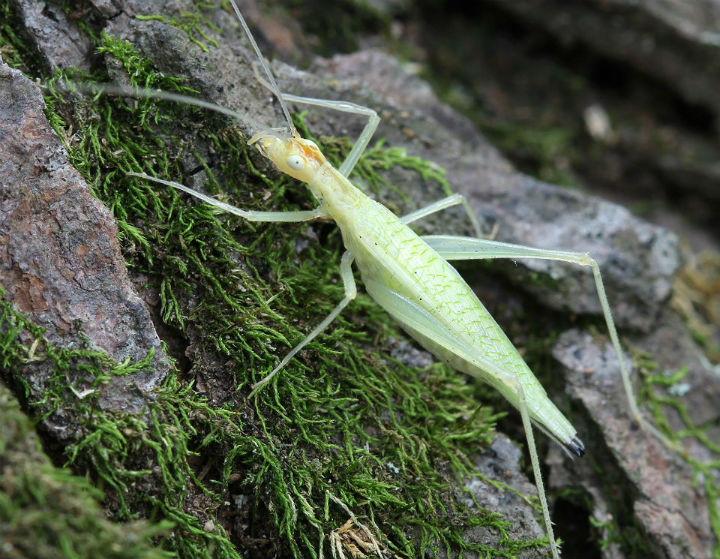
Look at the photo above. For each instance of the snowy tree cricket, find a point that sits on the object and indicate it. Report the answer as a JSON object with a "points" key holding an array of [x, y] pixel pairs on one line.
{"points": [[408, 275]]}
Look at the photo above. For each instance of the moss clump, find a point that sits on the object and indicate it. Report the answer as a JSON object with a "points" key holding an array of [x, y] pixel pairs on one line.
{"points": [[659, 391], [344, 433], [11, 47], [46, 511], [193, 23]]}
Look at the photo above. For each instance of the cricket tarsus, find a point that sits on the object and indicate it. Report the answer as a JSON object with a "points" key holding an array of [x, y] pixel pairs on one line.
{"points": [[411, 278]]}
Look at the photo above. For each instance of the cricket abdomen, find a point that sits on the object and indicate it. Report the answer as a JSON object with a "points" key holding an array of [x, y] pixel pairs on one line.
{"points": [[390, 253]]}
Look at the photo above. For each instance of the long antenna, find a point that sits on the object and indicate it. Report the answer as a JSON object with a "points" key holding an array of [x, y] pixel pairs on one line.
{"points": [[268, 73], [128, 91]]}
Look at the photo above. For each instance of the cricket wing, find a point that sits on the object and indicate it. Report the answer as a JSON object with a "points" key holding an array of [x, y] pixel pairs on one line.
{"points": [[442, 343], [445, 345]]}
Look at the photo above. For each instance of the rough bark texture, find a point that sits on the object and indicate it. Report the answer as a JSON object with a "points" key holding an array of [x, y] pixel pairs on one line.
{"points": [[60, 262], [656, 483]]}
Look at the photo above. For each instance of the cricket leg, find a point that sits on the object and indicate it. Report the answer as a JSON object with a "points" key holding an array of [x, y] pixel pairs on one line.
{"points": [[467, 248], [527, 426], [444, 203], [366, 135], [361, 144], [447, 346], [250, 215], [350, 293], [343, 106]]}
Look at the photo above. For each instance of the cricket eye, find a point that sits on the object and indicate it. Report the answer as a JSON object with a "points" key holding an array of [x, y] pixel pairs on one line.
{"points": [[295, 162]]}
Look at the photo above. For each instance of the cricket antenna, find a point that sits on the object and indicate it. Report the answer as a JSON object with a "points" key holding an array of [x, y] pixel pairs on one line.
{"points": [[130, 91], [271, 79]]}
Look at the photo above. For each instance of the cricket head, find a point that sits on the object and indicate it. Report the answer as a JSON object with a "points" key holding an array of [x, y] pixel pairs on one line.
{"points": [[294, 156]]}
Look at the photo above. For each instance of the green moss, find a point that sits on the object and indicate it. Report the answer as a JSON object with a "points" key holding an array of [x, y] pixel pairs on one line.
{"points": [[46, 511], [109, 445], [345, 430], [13, 49], [193, 23], [628, 536], [657, 396]]}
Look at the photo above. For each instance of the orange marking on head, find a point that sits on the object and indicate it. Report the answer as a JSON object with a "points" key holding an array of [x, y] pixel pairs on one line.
{"points": [[311, 153]]}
